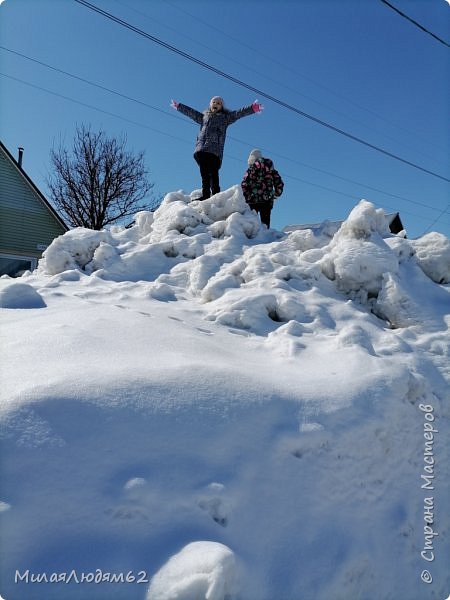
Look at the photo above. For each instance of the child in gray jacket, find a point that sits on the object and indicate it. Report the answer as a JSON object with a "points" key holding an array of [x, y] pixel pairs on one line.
{"points": [[211, 138]]}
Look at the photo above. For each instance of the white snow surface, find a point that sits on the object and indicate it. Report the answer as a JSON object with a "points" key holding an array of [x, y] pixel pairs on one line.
{"points": [[200, 570], [197, 407]]}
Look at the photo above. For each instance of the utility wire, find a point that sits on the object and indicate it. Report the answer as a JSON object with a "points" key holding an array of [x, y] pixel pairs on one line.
{"points": [[402, 14], [259, 52], [286, 175], [438, 218], [169, 114], [97, 85], [91, 106], [346, 179], [252, 88]]}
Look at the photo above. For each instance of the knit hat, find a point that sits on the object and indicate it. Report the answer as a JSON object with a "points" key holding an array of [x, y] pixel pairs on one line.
{"points": [[253, 156], [217, 99]]}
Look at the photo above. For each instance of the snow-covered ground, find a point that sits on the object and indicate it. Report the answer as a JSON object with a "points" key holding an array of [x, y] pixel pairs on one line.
{"points": [[198, 407]]}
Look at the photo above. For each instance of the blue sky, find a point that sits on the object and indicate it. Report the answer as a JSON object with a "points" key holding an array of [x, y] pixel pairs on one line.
{"points": [[354, 64]]}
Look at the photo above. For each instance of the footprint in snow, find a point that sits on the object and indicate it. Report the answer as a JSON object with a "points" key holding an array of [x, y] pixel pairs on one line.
{"points": [[214, 505], [205, 331], [126, 513], [239, 332], [134, 504]]}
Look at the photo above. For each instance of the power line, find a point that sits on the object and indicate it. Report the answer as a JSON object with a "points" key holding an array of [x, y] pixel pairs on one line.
{"points": [[253, 89], [346, 179], [216, 52], [259, 52], [286, 175], [91, 106], [145, 104], [142, 125], [352, 197], [270, 79], [120, 94], [402, 14], [438, 218], [97, 85]]}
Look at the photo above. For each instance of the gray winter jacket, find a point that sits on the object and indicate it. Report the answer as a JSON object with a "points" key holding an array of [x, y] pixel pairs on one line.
{"points": [[213, 126]]}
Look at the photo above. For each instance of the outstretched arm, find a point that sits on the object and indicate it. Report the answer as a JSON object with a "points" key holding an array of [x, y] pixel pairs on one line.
{"points": [[234, 115], [193, 114]]}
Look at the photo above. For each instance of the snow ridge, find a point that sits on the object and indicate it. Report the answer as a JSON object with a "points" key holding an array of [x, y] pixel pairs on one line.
{"points": [[226, 412]]}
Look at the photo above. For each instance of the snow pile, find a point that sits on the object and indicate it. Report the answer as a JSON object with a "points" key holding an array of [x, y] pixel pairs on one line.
{"points": [[217, 250], [20, 295], [357, 257], [177, 232], [433, 256], [200, 570], [198, 407]]}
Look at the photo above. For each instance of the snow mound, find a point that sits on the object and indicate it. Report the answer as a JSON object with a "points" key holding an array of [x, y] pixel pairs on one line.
{"points": [[180, 230], [358, 256], [433, 256], [73, 250], [20, 295], [252, 278], [200, 571], [199, 377]]}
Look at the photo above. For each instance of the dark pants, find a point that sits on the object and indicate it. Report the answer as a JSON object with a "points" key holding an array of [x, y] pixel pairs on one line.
{"points": [[209, 170], [263, 209]]}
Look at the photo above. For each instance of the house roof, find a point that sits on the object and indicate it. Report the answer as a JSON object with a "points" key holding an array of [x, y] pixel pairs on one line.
{"points": [[31, 183]]}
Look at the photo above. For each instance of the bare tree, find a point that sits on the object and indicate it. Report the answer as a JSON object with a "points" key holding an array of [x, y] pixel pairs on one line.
{"points": [[99, 182]]}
